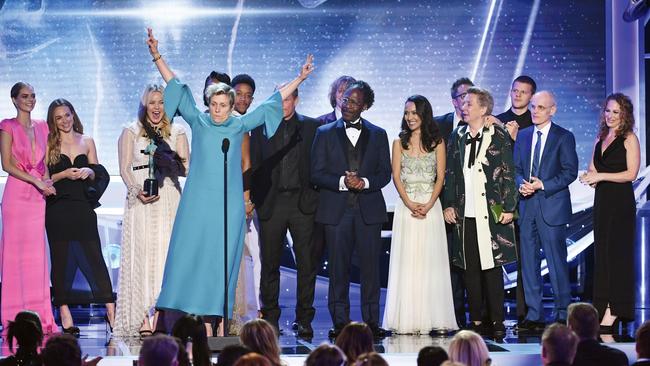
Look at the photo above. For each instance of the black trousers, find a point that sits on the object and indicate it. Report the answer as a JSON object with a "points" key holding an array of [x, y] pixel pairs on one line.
{"points": [[481, 283], [457, 284], [287, 216], [353, 233], [522, 309]]}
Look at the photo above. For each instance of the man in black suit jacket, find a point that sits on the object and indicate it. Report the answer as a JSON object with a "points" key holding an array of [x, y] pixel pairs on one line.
{"points": [[350, 165], [448, 122], [583, 320], [643, 345], [285, 199], [335, 95]]}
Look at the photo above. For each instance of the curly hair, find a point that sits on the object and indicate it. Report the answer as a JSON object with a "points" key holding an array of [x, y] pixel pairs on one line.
{"points": [[368, 93], [336, 84], [627, 115], [430, 135], [54, 137]]}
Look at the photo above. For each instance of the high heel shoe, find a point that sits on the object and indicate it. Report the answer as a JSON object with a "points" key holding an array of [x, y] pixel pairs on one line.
{"points": [[613, 329], [72, 330], [108, 323]]}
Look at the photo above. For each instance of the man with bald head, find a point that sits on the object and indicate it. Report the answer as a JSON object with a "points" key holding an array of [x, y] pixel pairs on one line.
{"points": [[545, 164]]}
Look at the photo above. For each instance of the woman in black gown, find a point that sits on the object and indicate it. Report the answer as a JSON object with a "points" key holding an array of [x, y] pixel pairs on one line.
{"points": [[70, 219], [614, 166]]}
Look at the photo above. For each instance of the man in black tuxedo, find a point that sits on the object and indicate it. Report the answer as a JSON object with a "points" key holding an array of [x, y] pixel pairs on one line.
{"points": [[335, 95], [448, 122], [643, 345], [286, 200], [583, 320], [350, 165], [518, 116]]}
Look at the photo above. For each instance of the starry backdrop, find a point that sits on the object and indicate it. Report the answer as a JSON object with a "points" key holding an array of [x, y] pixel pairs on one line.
{"points": [[93, 53]]}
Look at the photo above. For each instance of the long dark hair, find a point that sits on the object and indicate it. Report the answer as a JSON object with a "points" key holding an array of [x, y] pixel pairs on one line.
{"points": [[26, 329], [191, 327], [54, 137], [626, 116], [430, 135]]}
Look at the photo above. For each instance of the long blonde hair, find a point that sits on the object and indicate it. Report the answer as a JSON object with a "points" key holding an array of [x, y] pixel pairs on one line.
{"points": [[54, 137], [165, 124]]}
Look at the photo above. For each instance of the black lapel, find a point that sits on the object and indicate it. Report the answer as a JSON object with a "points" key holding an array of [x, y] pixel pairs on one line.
{"points": [[343, 139], [364, 137]]}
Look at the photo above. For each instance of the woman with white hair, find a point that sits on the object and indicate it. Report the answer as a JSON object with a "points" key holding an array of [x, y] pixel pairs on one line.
{"points": [[194, 278]]}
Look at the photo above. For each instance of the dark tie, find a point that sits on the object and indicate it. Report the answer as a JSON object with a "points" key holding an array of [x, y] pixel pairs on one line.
{"points": [[353, 125], [538, 146], [473, 150]]}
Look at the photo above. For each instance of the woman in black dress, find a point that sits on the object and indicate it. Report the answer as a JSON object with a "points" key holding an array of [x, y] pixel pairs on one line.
{"points": [[70, 219], [614, 166]]}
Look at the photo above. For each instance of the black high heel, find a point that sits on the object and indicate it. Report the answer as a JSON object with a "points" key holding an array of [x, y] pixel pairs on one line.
{"points": [[108, 323], [72, 330], [614, 329]]}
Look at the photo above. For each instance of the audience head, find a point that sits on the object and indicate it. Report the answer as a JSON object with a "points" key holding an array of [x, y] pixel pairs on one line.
{"points": [[214, 78], [326, 355], [289, 103], [159, 350], [643, 340], [618, 114], [452, 363], [477, 104], [542, 108], [192, 328], [583, 320], [458, 92], [221, 98], [260, 336], [61, 350], [358, 97], [244, 86], [432, 356], [469, 348], [418, 114], [355, 338], [523, 88], [370, 359], [230, 354], [559, 344], [26, 329], [253, 359], [23, 97], [338, 87], [182, 356]]}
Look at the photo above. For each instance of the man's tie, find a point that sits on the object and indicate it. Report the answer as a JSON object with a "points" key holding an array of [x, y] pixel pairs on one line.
{"points": [[353, 125], [473, 150], [538, 146]]}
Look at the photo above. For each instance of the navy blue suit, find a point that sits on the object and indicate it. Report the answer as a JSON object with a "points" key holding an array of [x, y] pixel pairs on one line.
{"points": [[543, 216], [351, 224]]}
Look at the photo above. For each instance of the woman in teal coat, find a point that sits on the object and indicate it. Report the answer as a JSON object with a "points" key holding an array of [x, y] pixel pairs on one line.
{"points": [[193, 279]]}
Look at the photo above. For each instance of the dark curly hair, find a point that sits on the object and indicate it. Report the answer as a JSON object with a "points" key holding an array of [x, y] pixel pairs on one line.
{"points": [[627, 115], [213, 78], [368, 93], [429, 132]]}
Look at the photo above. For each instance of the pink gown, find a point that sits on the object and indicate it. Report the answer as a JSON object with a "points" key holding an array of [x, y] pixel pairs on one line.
{"points": [[23, 259]]}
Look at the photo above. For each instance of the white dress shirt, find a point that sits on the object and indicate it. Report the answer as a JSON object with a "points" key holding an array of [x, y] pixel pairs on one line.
{"points": [[353, 135]]}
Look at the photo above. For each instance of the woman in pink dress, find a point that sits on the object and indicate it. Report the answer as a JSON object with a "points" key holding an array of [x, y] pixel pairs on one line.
{"points": [[23, 259]]}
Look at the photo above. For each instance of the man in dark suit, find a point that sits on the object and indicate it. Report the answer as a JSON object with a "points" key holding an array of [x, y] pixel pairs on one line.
{"points": [[285, 199], [583, 320], [643, 345], [448, 122], [335, 95], [350, 165], [545, 164], [559, 344]]}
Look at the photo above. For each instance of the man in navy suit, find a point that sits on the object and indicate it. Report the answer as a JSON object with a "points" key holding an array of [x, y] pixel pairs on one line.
{"points": [[545, 164], [350, 166]]}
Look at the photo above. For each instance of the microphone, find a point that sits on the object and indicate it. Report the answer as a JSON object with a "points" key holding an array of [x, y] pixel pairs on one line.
{"points": [[225, 145]]}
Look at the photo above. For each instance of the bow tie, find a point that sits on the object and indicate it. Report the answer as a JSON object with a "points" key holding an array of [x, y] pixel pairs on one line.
{"points": [[353, 125], [474, 149]]}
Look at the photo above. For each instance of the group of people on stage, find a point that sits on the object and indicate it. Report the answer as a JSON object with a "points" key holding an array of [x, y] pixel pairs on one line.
{"points": [[476, 192]]}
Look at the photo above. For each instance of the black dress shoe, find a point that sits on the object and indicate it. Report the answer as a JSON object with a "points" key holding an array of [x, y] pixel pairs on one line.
{"points": [[74, 331], [303, 330], [441, 332], [334, 332], [379, 332], [530, 326], [498, 329], [295, 325]]}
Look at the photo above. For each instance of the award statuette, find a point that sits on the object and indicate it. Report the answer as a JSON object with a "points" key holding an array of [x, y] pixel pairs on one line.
{"points": [[151, 183]]}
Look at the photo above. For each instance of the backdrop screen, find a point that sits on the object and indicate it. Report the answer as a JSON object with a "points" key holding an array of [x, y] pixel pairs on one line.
{"points": [[93, 53]]}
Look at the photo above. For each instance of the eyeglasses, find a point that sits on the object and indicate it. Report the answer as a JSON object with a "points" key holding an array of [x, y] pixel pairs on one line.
{"points": [[351, 102], [461, 96]]}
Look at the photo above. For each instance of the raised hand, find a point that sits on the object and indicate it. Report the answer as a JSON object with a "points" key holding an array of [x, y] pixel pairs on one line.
{"points": [[152, 42], [307, 68]]}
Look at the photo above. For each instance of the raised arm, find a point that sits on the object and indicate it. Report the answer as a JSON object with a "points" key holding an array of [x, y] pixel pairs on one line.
{"points": [[166, 73], [305, 70]]}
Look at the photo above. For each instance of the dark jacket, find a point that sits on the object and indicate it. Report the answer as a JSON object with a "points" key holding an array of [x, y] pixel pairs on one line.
{"points": [[446, 125], [327, 118], [265, 158], [591, 353]]}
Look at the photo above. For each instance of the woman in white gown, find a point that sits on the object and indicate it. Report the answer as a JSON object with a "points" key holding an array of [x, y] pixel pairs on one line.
{"points": [[419, 298], [148, 220]]}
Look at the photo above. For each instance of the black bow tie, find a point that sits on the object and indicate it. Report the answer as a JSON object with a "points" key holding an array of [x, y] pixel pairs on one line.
{"points": [[474, 149], [353, 125]]}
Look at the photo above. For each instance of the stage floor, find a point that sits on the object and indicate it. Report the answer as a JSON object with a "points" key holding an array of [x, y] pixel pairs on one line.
{"points": [[513, 349]]}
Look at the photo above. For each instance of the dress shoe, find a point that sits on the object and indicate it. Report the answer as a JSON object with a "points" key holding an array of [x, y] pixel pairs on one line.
{"points": [[73, 331], [498, 328], [303, 330], [334, 332], [477, 328], [530, 326], [379, 332], [441, 332], [295, 325]]}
